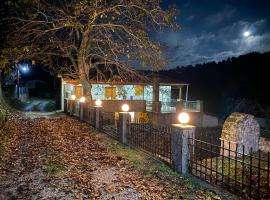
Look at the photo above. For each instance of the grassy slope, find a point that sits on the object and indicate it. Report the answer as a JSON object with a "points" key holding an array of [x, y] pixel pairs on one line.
{"points": [[147, 166]]}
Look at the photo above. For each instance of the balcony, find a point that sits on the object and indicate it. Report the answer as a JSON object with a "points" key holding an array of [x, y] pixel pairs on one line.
{"points": [[170, 107]]}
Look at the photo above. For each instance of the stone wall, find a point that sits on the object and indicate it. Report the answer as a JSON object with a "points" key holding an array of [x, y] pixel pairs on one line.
{"points": [[241, 129]]}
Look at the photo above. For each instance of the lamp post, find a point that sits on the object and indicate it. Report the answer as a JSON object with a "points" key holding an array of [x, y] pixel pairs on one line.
{"points": [[123, 126], [181, 135], [71, 102], [24, 68], [98, 108], [82, 103], [18, 83]]}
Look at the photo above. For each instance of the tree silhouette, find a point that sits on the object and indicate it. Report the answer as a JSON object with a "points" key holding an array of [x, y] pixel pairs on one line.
{"points": [[83, 39]]}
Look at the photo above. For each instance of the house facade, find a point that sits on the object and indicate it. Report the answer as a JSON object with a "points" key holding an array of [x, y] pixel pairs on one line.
{"points": [[157, 99]]}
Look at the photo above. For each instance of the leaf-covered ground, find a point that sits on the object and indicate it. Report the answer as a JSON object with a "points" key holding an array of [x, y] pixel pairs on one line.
{"points": [[59, 157]]}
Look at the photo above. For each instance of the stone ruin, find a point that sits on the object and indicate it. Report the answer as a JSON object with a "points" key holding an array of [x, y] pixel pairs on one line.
{"points": [[241, 129]]}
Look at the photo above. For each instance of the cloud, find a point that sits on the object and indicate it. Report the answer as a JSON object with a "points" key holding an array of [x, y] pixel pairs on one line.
{"points": [[190, 18], [185, 47], [219, 17]]}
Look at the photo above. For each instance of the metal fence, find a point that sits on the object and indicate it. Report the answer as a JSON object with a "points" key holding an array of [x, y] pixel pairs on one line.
{"points": [[246, 175], [156, 141], [227, 166], [89, 114], [109, 123]]}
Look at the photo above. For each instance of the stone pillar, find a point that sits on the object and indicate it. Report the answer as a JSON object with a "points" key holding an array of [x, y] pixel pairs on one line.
{"points": [[71, 107], [180, 149], [123, 126], [98, 110], [81, 111], [240, 129], [66, 106]]}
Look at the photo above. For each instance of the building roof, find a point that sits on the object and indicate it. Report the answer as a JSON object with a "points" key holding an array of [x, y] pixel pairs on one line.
{"points": [[164, 81]]}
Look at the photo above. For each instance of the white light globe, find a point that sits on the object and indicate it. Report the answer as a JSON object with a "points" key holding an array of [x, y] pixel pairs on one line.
{"points": [[125, 108], [24, 69], [183, 118], [82, 99], [98, 102], [73, 97]]}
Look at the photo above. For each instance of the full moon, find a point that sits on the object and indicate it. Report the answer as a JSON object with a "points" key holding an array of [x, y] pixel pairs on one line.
{"points": [[246, 33]]}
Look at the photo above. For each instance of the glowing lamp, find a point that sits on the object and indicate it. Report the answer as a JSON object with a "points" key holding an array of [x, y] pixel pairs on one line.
{"points": [[82, 99], [125, 107], [183, 118], [73, 97], [24, 69], [98, 102]]}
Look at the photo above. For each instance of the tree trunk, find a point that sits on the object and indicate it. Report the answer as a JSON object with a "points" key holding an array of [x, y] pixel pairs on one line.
{"points": [[84, 81], [86, 89], [83, 66]]}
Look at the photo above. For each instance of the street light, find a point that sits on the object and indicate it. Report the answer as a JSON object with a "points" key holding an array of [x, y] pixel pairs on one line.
{"points": [[24, 69]]}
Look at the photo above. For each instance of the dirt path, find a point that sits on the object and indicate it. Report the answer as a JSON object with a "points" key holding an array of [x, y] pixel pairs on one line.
{"points": [[62, 158], [36, 104]]}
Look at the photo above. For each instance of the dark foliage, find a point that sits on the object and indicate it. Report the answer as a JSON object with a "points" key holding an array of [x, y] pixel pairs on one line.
{"points": [[242, 78]]}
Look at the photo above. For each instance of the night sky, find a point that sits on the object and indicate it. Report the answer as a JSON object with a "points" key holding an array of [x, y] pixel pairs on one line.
{"points": [[213, 30]]}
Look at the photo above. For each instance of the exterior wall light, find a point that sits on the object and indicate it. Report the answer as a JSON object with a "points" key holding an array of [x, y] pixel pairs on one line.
{"points": [[125, 107], [73, 97], [98, 102], [82, 99], [183, 118]]}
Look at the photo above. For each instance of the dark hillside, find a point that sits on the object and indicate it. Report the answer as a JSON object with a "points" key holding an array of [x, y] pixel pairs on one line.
{"points": [[223, 85]]}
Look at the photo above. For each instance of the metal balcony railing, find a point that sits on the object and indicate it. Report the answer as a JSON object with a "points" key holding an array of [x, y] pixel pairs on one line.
{"points": [[192, 106], [170, 106]]}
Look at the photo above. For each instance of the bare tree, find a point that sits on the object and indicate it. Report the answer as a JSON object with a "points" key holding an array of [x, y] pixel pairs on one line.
{"points": [[88, 39]]}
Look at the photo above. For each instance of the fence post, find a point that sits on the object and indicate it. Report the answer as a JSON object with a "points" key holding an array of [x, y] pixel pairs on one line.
{"points": [[81, 110], [98, 116], [71, 106], [67, 106], [123, 128], [180, 149]]}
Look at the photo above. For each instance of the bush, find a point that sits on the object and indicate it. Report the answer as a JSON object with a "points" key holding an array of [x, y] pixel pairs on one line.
{"points": [[50, 106]]}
